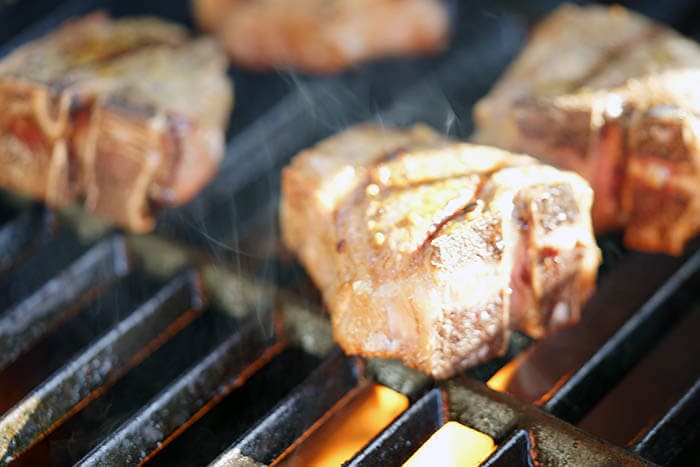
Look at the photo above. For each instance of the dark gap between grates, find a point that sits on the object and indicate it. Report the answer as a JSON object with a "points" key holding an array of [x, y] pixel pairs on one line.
{"points": [[15, 15], [292, 417], [105, 311], [97, 420], [634, 338], [406, 434], [633, 284], [190, 396], [47, 263], [20, 229], [675, 436], [666, 373], [45, 289], [238, 411], [105, 360]]}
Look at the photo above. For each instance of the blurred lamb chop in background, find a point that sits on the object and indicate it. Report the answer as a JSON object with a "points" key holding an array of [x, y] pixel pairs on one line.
{"points": [[321, 36], [127, 115], [615, 97]]}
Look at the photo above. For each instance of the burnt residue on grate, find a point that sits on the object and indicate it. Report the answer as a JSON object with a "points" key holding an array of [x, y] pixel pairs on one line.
{"points": [[554, 442], [280, 428], [256, 352], [239, 411], [225, 368], [84, 376], [46, 288], [102, 313]]}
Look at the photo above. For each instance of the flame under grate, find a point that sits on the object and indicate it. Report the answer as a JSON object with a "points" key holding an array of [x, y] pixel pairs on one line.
{"points": [[205, 344]]}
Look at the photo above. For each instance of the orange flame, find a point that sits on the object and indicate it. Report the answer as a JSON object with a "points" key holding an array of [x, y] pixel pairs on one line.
{"points": [[349, 429], [501, 380]]}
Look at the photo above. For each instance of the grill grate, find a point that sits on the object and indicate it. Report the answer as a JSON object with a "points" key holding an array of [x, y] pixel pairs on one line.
{"points": [[206, 343]]}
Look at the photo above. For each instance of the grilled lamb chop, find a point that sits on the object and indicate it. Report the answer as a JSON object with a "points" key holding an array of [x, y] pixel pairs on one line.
{"points": [[430, 250], [613, 96], [126, 114], [323, 36]]}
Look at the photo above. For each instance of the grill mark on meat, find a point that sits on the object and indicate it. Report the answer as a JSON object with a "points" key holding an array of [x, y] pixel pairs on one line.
{"points": [[357, 195], [471, 207], [476, 202], [613, 54], [446, 306], [66, 80], [390, 155], [437, 229]]}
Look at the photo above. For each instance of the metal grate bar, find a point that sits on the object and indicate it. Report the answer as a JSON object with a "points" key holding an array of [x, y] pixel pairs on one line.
{"points": [[195, 392], [36, 298], [396, 444], [555, 442], [612, 360], [675, 432], [296, 414], [535, 374], [515, 451], [673, 361], [250, 403], [100, 364], [73, 336]]}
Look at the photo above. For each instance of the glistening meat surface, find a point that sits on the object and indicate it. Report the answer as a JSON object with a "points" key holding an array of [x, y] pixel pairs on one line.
{"points": [[430, 250], [615, 97], [322, 36], [126, 115]]}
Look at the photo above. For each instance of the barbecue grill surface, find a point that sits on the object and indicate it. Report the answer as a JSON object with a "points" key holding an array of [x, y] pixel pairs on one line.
{"points": [[205, 342]]}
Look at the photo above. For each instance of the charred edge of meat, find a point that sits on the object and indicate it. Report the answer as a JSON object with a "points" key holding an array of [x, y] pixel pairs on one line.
{"points": [[554, 128], [660, 132]]}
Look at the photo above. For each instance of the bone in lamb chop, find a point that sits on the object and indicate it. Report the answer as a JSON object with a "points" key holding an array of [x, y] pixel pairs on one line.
{"points": [[430, 250], [322, 36], [615, 97], [127, 115]]}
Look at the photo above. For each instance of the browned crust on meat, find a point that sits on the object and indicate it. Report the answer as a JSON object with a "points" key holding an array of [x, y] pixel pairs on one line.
{"points": [[625, 117], [413, 245], [126, 114]]}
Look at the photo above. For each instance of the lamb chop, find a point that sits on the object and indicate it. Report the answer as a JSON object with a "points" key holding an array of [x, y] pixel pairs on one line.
{"points": [[430, 250], [322, 36], [613, 96], [127, 115]]}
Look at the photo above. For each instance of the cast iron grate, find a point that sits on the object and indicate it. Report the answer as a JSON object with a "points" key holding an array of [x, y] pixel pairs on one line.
{"points": [[205, 343]]}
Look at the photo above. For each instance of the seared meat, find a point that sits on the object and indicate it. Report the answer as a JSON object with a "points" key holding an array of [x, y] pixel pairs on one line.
{"points": [[323, 36], [615, 97], [430, 250], [127, 114]]}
